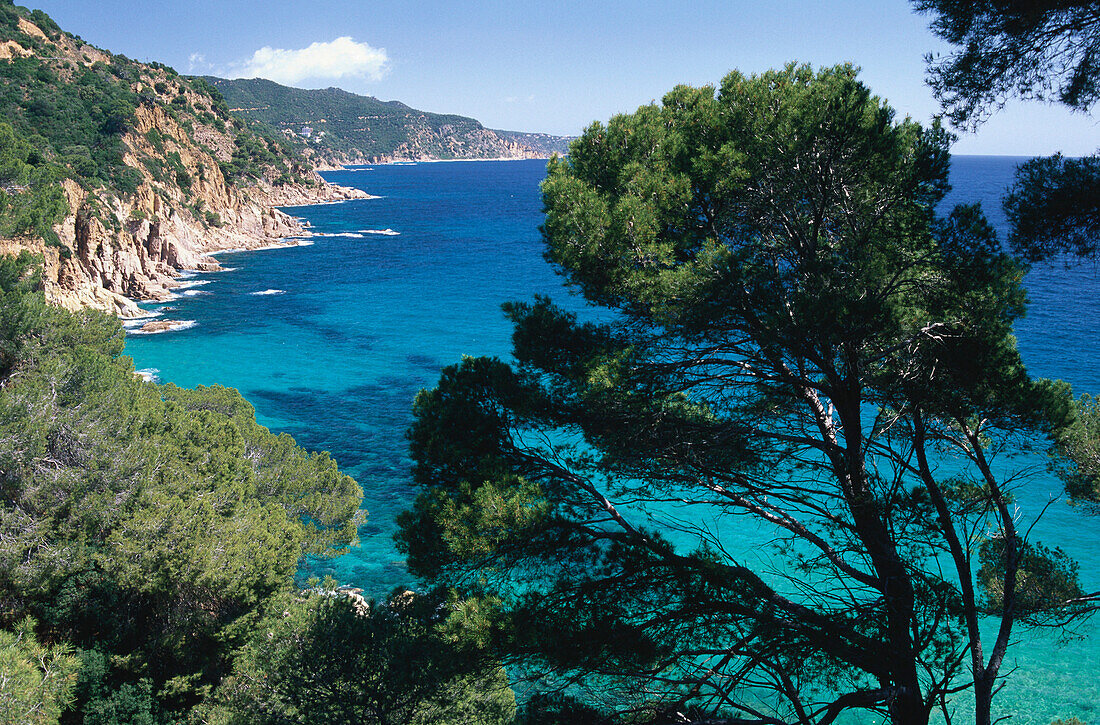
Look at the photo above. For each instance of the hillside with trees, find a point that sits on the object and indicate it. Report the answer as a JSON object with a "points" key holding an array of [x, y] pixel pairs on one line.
{"points": [[336, 127], [121, 173]]}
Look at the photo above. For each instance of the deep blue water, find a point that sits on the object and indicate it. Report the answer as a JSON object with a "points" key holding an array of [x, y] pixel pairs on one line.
{"points": [[362, 322]]}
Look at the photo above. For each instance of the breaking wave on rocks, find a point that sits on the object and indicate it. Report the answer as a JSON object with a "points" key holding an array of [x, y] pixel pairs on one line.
{"points": [[149, 375], [164, 326], [290, 244]]}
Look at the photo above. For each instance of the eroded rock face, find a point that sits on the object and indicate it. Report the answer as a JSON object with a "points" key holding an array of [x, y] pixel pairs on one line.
{"points": [[117, 248], [136, 250]]}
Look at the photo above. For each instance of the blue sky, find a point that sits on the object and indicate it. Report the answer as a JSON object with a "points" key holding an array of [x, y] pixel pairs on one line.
{"points": [[550, 66]]}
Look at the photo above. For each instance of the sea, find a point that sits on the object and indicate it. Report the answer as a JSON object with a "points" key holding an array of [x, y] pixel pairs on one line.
{"points": [[332, 339]]}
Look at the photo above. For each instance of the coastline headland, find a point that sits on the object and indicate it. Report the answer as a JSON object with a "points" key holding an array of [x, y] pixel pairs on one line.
{"points": [[184, 177], [352, 165], [112, 268]]}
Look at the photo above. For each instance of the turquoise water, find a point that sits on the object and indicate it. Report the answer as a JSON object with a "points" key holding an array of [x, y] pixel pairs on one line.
{"points": [[360, 322]]}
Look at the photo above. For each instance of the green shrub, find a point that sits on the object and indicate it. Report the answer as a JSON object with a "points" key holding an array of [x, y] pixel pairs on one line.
{"points": [[126, 180], [183, 180]]}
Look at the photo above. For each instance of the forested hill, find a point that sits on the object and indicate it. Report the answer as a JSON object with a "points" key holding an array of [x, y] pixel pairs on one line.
{"points": [[341, 127], [120, 173]]}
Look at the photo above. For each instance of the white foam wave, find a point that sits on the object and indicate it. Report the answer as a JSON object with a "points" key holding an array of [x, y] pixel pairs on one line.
{"points": [[149, 375], [193, 283], [387, 231], [144, 317], [348, 235], [269, 292], [194, 292], [290, 244]]}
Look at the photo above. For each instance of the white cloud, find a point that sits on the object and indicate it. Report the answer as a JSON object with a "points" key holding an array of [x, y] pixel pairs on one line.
{"points": [[342, 58], [196, 61]]}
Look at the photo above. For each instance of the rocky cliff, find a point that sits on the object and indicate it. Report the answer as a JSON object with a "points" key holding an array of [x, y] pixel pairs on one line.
{"points": [[186, 177], [146, 240]]}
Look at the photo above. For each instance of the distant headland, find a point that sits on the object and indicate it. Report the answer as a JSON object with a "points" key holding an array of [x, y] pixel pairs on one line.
{"points": [[333, 127]]}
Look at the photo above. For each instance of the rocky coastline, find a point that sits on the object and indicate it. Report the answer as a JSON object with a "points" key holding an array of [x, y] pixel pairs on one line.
{"points": [[112, 269], [194, 183]]}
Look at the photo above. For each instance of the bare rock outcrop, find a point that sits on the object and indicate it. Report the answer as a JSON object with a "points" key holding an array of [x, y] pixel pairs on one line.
{"points": [[136, 249]]}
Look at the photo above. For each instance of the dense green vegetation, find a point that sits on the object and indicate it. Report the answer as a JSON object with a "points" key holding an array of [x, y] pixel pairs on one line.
{"points": [[149, 526], [37, 681], [151, 536], [414, 660], [81, 121], [257, 150], [802, 350], [31, 199], [80, 112]]}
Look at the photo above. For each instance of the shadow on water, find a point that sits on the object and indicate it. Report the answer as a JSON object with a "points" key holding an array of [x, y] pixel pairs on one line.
{"points": [[426, 363], [363, 426]]}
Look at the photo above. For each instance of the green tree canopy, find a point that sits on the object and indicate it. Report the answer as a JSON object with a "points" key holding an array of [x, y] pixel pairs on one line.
{"points": [[148, 523], [36, 681], [1043, 49], [331, 658], [31, 199], [1054, 208], [775, 486]]}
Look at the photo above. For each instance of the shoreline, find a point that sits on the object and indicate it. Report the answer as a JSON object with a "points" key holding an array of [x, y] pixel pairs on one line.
{"points": [[327, 202], [409, 162], [288, 243], [296, 233], [208, 257], [154, 321]]}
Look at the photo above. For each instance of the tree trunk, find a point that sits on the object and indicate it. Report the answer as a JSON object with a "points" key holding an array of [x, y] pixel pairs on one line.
{"points": [[983, 700]]}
